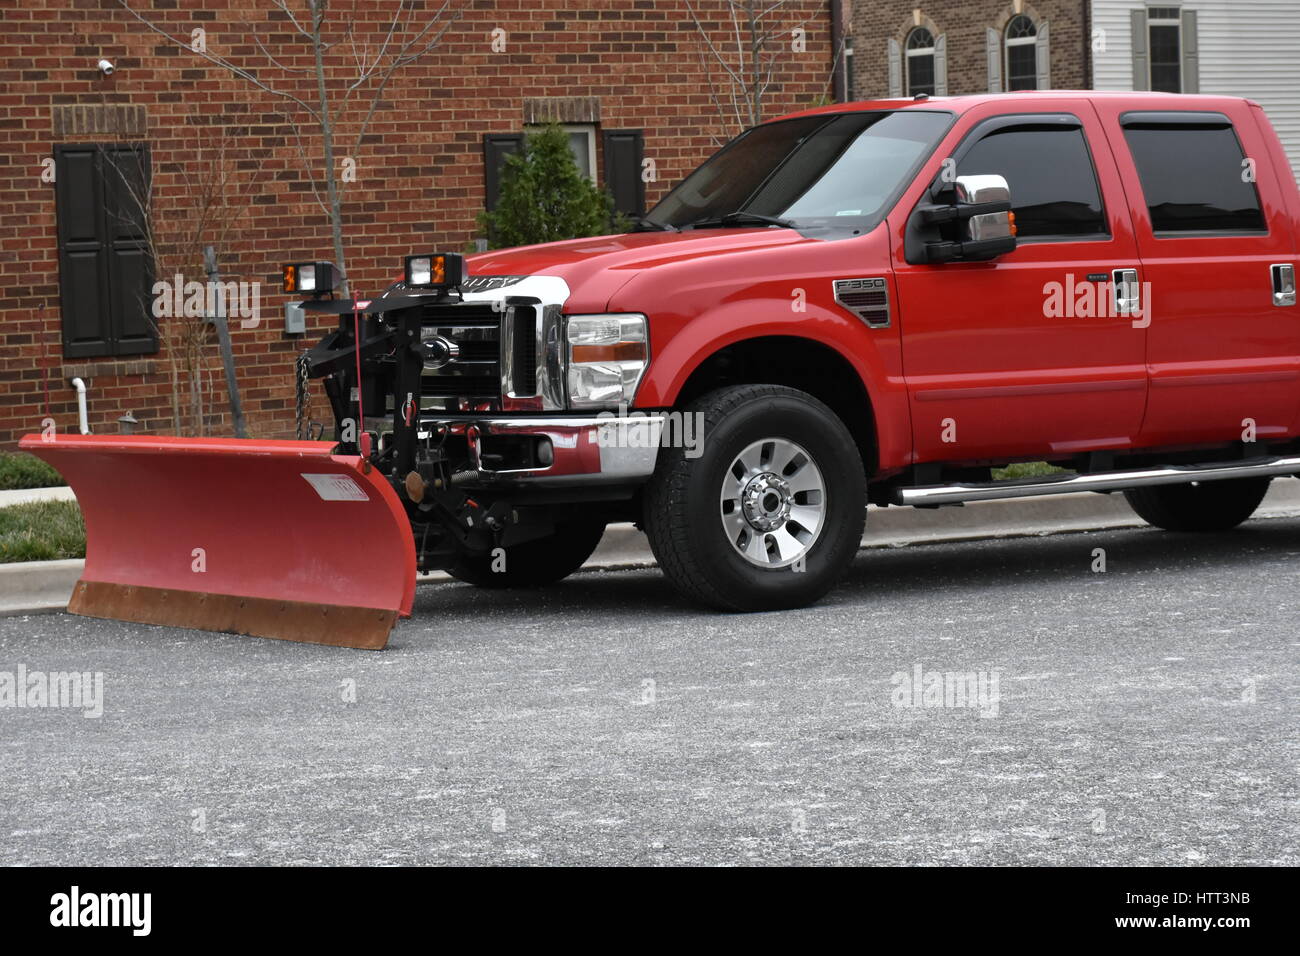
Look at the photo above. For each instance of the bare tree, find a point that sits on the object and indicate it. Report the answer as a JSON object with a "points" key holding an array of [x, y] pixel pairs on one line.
{"points": [[741, 63], [337, 97], [207, 203]]}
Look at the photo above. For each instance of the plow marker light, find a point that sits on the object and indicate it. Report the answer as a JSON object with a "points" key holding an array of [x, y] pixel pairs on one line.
{"points": [[275, 539]]}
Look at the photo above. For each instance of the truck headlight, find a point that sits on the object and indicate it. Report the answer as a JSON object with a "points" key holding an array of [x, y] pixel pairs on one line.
{"points": [[608, 355]]}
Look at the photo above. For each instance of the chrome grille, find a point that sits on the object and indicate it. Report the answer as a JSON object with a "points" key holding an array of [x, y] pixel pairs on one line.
{"points": [[471, 376], [523, 354]]}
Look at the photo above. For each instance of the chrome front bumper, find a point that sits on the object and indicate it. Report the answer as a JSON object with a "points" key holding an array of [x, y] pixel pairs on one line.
{"points": [[590, 450]]}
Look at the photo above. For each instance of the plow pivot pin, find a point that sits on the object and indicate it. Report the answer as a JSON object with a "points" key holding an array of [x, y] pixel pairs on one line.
{"points": [[415, 486]]}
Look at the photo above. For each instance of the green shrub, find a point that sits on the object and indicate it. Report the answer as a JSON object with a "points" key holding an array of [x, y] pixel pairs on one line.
{"points": [[41, 531], [544, 197], [25, 471]]}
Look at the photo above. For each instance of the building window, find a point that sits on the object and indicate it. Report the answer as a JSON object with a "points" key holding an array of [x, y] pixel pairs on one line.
{"points": [[1021, 38], [105, 264], [623, 156], [582, 143], [498, 146], [920, 62], [1165, 29]]}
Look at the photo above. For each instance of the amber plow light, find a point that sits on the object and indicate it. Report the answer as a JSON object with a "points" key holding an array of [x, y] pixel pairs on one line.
{"points": [[308, 278], [442, 270]]}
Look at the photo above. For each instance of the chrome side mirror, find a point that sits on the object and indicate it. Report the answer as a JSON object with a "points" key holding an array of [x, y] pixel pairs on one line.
{"points": [[970, 220], [986, 190]]}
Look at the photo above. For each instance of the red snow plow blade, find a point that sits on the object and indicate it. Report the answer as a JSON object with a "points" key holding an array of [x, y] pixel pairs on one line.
{"points": [[271, 538]]}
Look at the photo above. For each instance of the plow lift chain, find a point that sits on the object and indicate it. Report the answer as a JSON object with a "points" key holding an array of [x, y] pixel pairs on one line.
{"points": [[304, 428]]}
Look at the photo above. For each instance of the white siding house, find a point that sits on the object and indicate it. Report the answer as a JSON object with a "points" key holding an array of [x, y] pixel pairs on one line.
{"points": [[1245, 48]]}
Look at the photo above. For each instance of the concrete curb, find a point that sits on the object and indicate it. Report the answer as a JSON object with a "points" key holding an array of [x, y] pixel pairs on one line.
{"points": [[37, 587], [43, 586], [21, 496]]}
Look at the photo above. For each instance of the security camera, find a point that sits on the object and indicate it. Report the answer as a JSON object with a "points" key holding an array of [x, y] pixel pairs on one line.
{"points": [[105, 67]]}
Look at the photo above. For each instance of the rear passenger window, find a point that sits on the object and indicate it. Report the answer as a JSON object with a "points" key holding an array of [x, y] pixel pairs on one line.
{"points": [[1195, 178], [1054, 191]]}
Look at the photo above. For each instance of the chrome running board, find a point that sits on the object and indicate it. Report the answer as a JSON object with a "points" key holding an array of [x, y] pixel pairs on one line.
{"points": [[1104, 481]]}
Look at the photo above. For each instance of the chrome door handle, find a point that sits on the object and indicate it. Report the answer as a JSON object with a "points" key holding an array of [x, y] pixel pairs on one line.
{"points": [[1127, 294], [1283, 276]]}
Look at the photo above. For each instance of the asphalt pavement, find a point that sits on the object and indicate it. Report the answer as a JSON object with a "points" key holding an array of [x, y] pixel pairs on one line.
{"points": [[1141, 714]]}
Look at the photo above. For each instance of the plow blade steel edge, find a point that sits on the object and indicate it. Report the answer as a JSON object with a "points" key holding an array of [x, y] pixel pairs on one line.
{"points": [[296, 543]]}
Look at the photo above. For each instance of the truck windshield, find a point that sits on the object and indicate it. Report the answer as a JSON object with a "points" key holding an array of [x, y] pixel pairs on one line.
{"points": [[827, 172]]}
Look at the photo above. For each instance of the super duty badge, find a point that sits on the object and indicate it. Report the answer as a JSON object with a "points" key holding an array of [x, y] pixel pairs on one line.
{"points": [[867, 298]]}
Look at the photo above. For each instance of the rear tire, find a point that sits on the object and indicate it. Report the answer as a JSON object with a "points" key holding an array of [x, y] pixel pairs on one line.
{"points": [[534, 563], [1201, 506], [770, 514]]}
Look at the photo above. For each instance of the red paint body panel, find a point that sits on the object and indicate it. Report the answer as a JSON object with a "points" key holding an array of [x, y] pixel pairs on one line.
{"points": [[985, 365], [721, 299], [1218, 351], [705, 290], [595, 269], [1288, 216], [970, 341], [148, 502]]}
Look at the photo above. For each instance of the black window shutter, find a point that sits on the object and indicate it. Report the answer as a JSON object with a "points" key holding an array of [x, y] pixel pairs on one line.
{"points": [[83, 275], [496, 147], [105, 273], [130, 271], [624, 149]]}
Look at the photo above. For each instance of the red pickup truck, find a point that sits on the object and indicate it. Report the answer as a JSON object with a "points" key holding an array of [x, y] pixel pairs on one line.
{"points": [[884, 301], [874, 302]]}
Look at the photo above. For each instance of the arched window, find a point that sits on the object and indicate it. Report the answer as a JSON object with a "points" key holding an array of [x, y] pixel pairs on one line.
{"points": [[920, 62], [1021, 39]]}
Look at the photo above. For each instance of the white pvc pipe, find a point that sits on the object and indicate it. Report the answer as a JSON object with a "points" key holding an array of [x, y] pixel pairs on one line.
{"points": [[83, 417]]}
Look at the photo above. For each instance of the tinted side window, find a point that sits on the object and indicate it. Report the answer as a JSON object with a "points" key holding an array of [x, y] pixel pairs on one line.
{"points": [[1053, 184], [1192, 178]]}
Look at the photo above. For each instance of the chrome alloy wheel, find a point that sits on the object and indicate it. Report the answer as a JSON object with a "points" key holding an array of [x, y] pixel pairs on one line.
{"points": [[773, 503]]}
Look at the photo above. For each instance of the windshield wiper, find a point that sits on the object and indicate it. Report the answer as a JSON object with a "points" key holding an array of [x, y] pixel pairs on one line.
{"points": [[739, 218], [645, 224]]}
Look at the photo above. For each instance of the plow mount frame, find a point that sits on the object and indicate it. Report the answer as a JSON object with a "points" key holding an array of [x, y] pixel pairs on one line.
{"points": [[425, 462]]}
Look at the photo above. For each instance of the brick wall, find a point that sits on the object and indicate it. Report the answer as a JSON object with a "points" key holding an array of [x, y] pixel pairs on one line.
{"points": [[419, 172], [965, 24]]}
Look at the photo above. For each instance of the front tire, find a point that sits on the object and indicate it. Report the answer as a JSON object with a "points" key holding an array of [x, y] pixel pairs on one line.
{"points": [[770, 513], [534, 563], [1199, 506]]}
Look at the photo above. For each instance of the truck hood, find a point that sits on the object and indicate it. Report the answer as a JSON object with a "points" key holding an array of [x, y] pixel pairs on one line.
{"points": [[595, 269]]}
